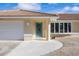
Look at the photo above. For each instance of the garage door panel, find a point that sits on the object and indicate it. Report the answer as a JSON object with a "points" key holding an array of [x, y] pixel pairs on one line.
{"points": [[12, 30]]}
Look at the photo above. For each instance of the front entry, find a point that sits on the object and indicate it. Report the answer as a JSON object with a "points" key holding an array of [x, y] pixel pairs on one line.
{"points": [[38, 29]]}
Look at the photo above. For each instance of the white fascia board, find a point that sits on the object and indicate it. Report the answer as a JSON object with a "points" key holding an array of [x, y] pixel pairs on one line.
{"points": [[31, 17], [68, 20], [25, 17]]}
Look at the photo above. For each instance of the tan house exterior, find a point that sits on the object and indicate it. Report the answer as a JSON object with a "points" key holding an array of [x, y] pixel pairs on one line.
{"points": [[27, 25]]}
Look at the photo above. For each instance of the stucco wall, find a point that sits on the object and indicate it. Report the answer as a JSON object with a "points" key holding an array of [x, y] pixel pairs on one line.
{"points": [[28, 26], [31, 29], [75, 27], [28, 29]]}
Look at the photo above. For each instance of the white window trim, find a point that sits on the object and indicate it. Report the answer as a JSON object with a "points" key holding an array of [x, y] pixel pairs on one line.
{"points": [[63, 27]]}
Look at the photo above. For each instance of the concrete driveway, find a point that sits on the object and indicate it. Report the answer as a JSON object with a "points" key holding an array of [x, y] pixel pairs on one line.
{"points": [[35, 48], [7, 46]]}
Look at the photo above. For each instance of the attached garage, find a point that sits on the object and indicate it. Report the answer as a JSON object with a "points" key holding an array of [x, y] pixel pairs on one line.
{"points": [[11, 29]]}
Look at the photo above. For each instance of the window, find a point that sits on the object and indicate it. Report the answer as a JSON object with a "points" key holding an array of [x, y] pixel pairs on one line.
{"points": [[60, 27], [65, 27], [69, 27], [56, 27], [52, 27]]}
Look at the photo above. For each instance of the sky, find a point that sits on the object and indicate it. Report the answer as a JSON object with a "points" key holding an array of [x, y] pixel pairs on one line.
{"points": [[43, 7]]}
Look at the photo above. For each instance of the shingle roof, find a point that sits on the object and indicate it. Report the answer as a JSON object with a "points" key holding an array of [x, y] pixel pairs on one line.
{"points": [[26, 13], [68, 16], [23, 13]]}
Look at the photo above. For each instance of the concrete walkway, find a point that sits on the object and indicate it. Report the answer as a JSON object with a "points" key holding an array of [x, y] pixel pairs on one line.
{"points": [[35, 48]]}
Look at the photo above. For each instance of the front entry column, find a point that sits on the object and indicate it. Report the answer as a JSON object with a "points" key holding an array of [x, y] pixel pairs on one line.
{"points": [[49, 26]]}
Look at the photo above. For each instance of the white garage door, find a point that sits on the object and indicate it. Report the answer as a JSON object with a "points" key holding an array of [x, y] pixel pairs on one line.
{"points": [[11, 30]]}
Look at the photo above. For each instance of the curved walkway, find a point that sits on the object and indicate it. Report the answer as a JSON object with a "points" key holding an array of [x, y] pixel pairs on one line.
{"points": [[35, 48]]}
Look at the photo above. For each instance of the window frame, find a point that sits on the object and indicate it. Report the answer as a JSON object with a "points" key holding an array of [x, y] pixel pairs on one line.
{"points": [[63, 27]]}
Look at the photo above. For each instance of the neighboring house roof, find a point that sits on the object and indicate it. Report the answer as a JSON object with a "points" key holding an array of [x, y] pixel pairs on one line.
{"points": [[23, 13], [68, 16]]}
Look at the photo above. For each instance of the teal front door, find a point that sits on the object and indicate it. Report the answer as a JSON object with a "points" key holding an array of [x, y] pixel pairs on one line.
{"points": [[38, 29]]}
